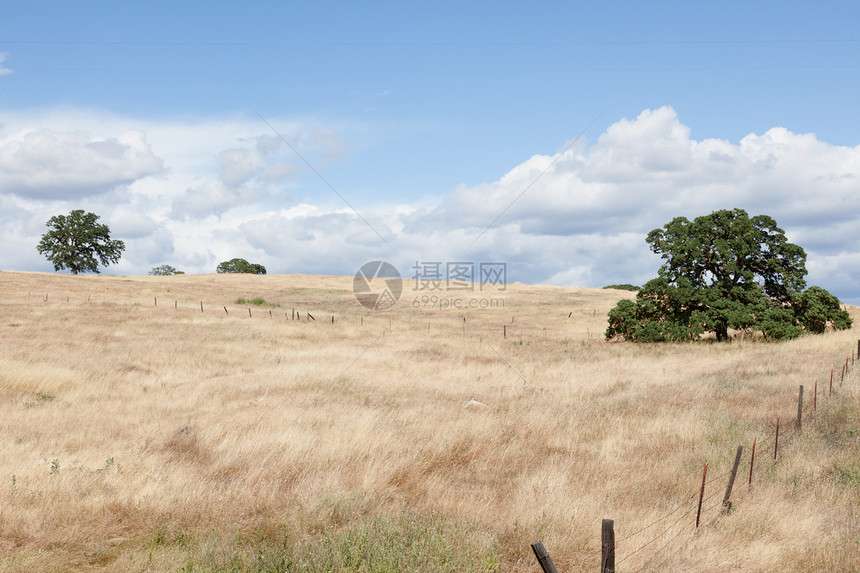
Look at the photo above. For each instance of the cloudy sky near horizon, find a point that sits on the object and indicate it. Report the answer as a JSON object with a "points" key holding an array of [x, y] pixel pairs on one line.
{"points": [[314, 138]]}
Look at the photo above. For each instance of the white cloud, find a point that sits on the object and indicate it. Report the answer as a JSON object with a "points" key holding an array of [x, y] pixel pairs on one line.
{"points": [[48, 164]]}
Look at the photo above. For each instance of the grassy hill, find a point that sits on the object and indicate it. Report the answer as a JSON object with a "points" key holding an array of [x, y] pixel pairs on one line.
{"points": [[141, 433]]}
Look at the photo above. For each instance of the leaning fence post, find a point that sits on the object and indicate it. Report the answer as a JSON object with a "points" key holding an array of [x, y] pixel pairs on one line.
{"points": [[726, 498], [752, 459], [607, 538], [701, 496], [800, 408], [776, 441], [543, 557]]}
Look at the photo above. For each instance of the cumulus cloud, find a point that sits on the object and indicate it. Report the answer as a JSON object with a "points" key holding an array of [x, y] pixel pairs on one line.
{"points": [[212, 197], [645, 171], [47, 164]]}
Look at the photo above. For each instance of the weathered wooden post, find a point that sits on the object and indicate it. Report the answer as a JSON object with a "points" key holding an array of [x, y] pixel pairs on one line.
{"points": [[815, 397], [607, 538], [800, 408], [249, 312], [201, 306], [543, 557], [727, 504], [701, 496], [776, 441], [752, 459]]}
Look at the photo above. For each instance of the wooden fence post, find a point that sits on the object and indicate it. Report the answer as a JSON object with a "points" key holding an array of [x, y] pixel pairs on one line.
{"points": [[505, 330], [543, 557], [752, 459], [607, 538], [201, 306], [727, 498], [701, 496], [800, 409], [776, 441]]}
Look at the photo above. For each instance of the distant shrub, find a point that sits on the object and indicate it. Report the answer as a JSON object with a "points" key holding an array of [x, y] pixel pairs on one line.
{"points": [[257, 301], [624, 287]]}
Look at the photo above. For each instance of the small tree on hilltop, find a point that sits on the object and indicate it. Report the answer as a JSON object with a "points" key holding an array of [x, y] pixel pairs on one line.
{"points": [[79, 243], [164, 271], [725, 271], [241, 266]]}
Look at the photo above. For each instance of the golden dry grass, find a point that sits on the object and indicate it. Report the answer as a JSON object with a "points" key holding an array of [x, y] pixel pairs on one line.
{"points": [[138, 437]]}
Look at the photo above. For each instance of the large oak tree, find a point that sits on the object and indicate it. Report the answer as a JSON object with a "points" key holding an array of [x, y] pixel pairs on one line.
{"points": [[725, 271], [78, 242]]}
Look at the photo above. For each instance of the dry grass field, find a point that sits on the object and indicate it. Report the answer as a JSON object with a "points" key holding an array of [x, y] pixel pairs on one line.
{"points": [[144, 437]]}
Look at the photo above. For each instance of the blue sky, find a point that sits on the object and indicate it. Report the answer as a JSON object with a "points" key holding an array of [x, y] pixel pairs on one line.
{"points": [[430, 119]]}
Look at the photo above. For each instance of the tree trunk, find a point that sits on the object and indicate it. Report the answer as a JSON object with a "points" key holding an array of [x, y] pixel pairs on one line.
{"points": [[722, 331]]}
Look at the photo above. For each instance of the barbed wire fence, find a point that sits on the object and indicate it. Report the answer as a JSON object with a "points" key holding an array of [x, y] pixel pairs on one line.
{"points": [[683, 522]]}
